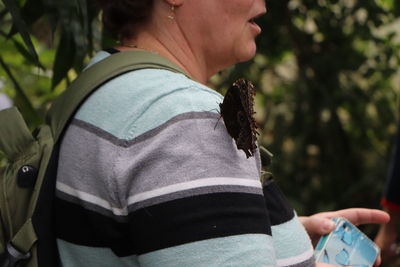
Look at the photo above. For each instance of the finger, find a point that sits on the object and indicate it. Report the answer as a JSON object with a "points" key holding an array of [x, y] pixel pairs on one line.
{"points": [[378, 261], [321, 226], [317, 225], [359, 216]]}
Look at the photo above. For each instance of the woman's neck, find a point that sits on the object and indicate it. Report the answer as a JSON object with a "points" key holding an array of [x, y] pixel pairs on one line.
{"points": [[175, 51]]}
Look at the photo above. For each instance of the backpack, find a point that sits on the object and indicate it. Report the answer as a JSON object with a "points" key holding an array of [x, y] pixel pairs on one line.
{"points": [[27, 184]]}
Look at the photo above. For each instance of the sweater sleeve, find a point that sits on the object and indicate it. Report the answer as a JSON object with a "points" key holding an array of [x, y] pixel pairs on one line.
{"points": [[199, 201]]}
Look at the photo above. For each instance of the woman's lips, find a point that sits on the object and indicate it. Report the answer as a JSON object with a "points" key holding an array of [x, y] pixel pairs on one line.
{"points": [[254, 25]]}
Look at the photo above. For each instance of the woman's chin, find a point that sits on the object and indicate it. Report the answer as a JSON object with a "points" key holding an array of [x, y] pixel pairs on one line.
{"points": [[241, 53], [248, 53]]}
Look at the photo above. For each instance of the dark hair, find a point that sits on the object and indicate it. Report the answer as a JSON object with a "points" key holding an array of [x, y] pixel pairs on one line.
{"points": [[121, 18]]}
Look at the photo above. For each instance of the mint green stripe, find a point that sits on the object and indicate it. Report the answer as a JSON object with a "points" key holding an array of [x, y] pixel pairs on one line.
{"points": [[290, 239], [234, 251], [241, 251], [136, 102], [72, 255]]}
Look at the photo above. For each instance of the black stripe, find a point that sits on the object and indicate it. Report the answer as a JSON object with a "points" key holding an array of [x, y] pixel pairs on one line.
{"points": [[278, 207], [198, 218], [167, 224], [84, 227]]}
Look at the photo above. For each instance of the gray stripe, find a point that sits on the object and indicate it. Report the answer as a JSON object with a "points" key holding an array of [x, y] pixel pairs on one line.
{"points": [[126, 143], [308, 263], [184, 151], [194, 192], [83, 163]]}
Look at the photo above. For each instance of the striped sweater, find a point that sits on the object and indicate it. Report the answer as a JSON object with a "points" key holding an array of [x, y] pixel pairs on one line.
{"points": [[148, 176]]}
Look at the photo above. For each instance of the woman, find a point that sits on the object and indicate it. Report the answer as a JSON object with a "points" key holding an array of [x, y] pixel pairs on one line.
{"points": [[149, 174], [387, 237]]}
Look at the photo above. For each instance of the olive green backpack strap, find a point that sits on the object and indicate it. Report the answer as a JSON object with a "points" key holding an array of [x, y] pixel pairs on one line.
{"points": [[16, 136], [98, 74]]}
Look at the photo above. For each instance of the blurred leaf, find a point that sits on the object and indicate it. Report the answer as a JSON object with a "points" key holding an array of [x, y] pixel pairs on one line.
{"points": [[83, 14], [21, 100], [21, 49], [64, 60], [21, 26], [30, 13], [3, 13]]}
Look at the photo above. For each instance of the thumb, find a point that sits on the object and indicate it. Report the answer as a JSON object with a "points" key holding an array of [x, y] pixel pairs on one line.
{"points": [[326, 226], [320, 226]]}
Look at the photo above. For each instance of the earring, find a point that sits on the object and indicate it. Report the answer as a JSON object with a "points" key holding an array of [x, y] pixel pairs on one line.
{"points": [[172, 16]]}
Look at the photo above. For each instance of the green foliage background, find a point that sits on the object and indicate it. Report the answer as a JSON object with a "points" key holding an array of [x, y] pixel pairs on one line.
{"points": [[327, 73]]}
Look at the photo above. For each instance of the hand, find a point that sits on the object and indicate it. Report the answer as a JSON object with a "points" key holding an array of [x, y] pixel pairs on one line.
{"points": [[320, 224]]}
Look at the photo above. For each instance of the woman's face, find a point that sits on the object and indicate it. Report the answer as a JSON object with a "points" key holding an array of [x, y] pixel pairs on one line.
{"points": [[223, 31]]}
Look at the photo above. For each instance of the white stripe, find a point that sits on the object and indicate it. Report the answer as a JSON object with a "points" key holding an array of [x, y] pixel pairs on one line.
{"points": [[296, 259], [214, 181], [91, 199]]}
